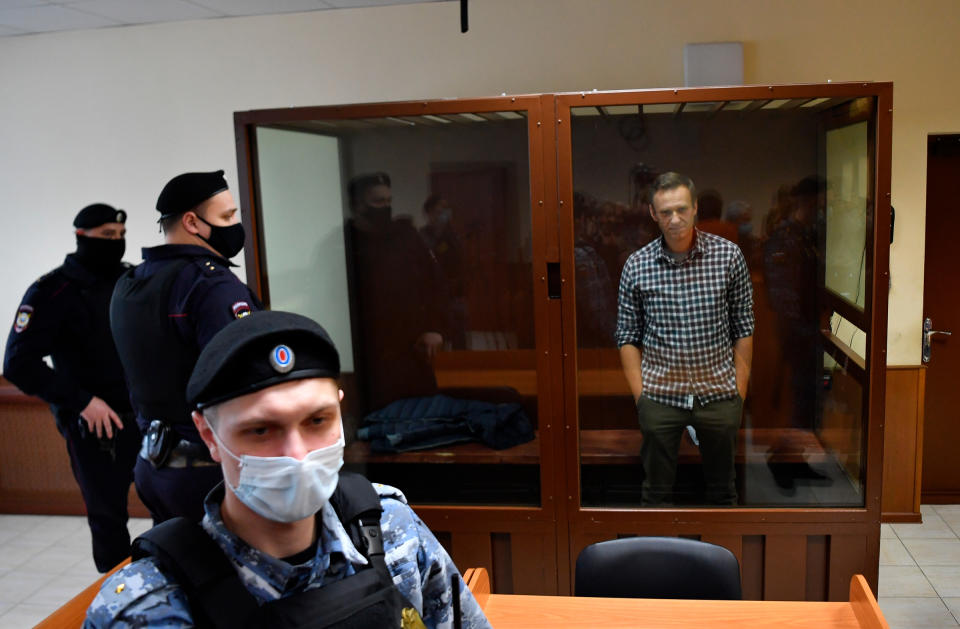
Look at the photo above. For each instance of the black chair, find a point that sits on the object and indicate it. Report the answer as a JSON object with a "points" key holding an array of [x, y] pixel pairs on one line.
{"points": [[657, 567]]}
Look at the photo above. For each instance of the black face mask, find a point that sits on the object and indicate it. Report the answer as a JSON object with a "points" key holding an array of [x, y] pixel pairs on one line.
{"points": [[378, 215], [100, 254], [227, 241]]}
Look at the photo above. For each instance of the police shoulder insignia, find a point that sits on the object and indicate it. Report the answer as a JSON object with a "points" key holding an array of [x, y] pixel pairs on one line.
{"points": [[24, 313], [240, 309]]}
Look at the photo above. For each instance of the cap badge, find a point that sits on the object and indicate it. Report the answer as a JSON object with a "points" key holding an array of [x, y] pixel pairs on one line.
{"points": [[281, 359], [121, 216]]}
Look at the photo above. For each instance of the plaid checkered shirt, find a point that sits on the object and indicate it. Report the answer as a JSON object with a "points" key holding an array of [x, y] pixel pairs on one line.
{"points": [[685, 317]]}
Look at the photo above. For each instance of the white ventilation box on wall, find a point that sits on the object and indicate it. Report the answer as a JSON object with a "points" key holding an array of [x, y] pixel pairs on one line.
{"points": [[717, 63]]}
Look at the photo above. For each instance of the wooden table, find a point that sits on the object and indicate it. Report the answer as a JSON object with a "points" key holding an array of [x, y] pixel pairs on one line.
{"points": [[534, 612]]}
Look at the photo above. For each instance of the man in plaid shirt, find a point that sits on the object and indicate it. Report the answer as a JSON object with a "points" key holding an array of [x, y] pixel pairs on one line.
{"points": [[685, 333]]}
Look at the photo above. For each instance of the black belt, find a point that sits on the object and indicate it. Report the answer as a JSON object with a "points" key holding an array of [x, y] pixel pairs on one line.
{"points": [[182, 454], [190, 454]]}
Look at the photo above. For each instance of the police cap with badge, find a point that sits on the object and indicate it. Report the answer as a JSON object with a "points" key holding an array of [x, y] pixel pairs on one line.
{"points": [[185, 192], [259, 351], [97, 214]]}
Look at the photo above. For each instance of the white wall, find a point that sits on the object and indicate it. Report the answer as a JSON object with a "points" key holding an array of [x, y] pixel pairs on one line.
{"points": [[110, 115]]}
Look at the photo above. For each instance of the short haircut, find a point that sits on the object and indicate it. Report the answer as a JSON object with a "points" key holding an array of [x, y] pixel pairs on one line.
{"points": [[168, 223], [432, 202], [671, 181], [361, 183]]}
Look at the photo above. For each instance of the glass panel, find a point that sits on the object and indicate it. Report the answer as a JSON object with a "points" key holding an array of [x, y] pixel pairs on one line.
{"points": [[409, 238], [760, 174], [848, 174]]}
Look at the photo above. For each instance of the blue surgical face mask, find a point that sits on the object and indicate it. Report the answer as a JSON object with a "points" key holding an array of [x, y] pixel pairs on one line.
{"points": [[285, 489]]}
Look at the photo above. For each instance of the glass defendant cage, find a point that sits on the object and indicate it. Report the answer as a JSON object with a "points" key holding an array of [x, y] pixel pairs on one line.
{"points": [[466, 254]]}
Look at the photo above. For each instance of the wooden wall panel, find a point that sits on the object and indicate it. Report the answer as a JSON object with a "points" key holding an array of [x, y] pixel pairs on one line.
{"points": [[35, 475], [903, 444], [751, 567], [846, 558], [816, 579], [533, 563], [503, 566], [785, 568]]}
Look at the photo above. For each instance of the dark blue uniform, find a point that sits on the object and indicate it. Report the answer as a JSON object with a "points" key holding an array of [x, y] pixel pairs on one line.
{"points": [[64, 315], [163, 313]]}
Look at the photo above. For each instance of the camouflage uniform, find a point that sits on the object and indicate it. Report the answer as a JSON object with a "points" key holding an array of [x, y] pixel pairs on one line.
{"points": [[142, 594]]}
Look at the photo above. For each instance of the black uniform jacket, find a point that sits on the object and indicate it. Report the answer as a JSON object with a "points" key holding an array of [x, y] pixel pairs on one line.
{"points": [[64, 315]]}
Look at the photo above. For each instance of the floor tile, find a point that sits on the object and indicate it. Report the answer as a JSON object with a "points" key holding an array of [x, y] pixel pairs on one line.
{"points": [[13, 554], [55, 559], [904, 581], [886, 532], [944, 579], [84, 566], [58, 591], [925, 509], [24, 616], [934, 552], [952, 519], [953, 604], [21, 522], [903, 612], [17, 586], [894, 553], [933, 527]]}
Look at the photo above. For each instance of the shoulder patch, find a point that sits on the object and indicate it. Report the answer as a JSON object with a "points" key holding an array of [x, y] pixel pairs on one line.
{"points": [[24, 313], [240, 309]]}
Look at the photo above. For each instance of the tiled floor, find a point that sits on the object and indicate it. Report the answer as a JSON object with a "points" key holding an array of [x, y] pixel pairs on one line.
{"points": [[45, 560], [920, 570]]}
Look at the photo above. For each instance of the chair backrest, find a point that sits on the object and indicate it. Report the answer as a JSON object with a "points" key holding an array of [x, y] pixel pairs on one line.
{"points": [[657, 567]]}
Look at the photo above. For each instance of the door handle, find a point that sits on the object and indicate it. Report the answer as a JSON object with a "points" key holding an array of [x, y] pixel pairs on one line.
{"points": [[928, 332]]}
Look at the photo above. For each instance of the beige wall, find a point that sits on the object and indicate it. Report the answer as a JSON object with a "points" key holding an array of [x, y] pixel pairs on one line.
{"points": [[111, 114]]}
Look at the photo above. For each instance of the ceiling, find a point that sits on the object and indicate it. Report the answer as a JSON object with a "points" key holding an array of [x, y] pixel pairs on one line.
{"points": [[23, 17]]}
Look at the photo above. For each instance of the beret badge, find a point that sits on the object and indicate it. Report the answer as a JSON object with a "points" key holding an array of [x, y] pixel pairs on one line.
{"points": [[281, 359]]}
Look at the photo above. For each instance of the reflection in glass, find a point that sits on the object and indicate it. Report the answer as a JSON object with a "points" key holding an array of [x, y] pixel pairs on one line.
{"points": [[846, 210], [424, 224], [772, 180]]}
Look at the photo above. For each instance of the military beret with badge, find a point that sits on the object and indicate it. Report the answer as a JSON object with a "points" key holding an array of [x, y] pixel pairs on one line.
{"points": [[261, 350], [97, 214], [185, 192]]}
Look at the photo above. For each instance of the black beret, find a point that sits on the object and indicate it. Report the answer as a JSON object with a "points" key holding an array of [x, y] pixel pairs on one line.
{"points": [[97, 214], [187, 191], [258, 351], [361, 183]]}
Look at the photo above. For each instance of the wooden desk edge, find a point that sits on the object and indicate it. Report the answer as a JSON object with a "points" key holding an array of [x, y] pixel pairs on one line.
{"points": [[478, 580], [73, 612], [864, 604]]}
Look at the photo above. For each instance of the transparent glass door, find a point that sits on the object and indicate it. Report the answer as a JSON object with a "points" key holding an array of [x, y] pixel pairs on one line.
{"points": [[780, 222], [409, 238]]}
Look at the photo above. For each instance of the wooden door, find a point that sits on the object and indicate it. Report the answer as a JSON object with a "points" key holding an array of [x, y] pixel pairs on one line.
{"points": [[941, 302]]}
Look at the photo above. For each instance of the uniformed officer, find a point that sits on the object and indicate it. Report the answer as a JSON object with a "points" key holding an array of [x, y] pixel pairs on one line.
{"points": [[279, 546], [163, 313], [64, 315]]}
